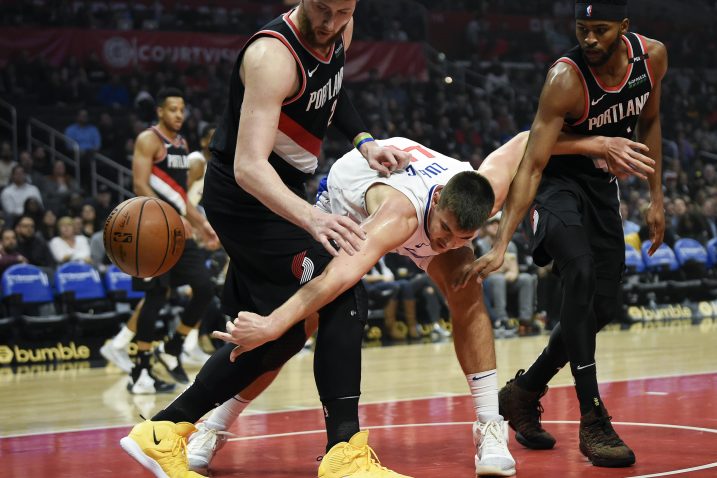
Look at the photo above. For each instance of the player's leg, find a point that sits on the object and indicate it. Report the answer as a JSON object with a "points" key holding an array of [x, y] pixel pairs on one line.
{"points": [[190, 270], [115, 350], [142, 379], [337, 370], [475, 350]]}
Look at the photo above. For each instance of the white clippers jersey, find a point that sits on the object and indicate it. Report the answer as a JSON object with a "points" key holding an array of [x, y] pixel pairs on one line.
{"points": [[350, 177]]}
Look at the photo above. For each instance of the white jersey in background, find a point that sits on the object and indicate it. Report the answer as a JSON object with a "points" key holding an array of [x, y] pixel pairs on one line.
{"points": [[350, 177]]}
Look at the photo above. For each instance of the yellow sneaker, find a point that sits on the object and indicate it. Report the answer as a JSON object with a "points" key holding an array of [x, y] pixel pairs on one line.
{"points": [[354, 459], [161, 447]]}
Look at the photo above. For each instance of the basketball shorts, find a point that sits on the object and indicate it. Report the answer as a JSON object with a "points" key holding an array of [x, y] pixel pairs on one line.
{"points": [[551, 240], [190, 267]]}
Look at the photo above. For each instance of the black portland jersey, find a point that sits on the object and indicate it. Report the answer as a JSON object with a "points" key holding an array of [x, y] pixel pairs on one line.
{"points": [[609, 111], [169, 173], [304, 117]]}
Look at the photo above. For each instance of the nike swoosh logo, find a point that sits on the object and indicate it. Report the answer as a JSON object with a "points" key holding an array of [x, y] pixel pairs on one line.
{"points": [[311, 72], [154, 437], [585, 366], [593, 102]]}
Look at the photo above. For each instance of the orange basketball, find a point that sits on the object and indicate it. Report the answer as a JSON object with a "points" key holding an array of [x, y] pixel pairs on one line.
{"points": [[144, 236]]}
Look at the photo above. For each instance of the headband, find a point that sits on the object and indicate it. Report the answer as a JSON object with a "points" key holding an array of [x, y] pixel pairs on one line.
{"points": [[600, 11]]}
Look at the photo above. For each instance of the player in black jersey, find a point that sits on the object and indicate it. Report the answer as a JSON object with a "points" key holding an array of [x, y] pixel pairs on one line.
{"points": [[285, 90], [159, 169], [608, 85]]}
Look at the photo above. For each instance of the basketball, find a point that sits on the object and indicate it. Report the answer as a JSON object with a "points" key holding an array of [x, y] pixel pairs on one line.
{"points": [[144, 237]]}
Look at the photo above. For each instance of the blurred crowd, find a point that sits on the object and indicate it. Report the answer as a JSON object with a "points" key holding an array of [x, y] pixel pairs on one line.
{"points": [[471, 104]]}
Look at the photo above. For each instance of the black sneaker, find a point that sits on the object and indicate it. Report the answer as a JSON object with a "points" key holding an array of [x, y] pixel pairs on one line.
{"points": [[522, 409], [600, 442], [146, 383], [173, 364]]}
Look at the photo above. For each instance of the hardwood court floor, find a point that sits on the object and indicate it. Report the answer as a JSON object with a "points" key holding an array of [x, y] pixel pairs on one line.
{"points": [[414, 402]]}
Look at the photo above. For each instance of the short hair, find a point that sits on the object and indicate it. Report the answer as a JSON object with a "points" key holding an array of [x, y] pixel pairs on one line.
{"points": [[19, 219], [165, 93], [469, 196]]}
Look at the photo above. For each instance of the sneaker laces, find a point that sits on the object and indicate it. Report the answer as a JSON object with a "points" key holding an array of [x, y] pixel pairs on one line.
{"points": [[180, 448], [211, 435], [493, 436], [610, 437], [372, 460]]}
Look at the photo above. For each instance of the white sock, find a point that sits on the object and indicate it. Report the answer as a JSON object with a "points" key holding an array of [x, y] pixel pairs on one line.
{"points": [[484, 390], [224, 415], [191, 341], [123, 338]]}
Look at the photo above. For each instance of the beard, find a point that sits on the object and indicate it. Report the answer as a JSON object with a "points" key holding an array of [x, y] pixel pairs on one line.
{"points": [[602, 59], [307, 31]]}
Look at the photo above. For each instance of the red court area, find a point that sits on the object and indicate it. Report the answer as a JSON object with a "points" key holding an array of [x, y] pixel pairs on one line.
{"points": [[671, 423]]}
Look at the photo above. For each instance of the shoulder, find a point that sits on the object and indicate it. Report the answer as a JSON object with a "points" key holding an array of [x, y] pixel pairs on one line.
{"points": [[267, 50], [148, 138], [658, 55], [563, 74]]}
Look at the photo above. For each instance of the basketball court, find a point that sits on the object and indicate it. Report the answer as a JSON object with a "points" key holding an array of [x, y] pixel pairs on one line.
{"points": [[660, 384]]}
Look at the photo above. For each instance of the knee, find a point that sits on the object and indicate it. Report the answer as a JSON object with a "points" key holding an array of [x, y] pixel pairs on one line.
{"points": [[525, 280], [496, 281], [578, 277], [285, 347]]}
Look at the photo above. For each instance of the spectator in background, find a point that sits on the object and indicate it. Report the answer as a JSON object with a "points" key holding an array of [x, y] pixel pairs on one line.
{"points": [[69, 246], [86, 134], [48, 226], [709, 209], [59, 185], [103, 203], [9, 255], [114, 94], [7, 162], [507, 279], [693, 224], [32, 245], [14, 195], [34, 209], [628, 226], [88, 216], [40, 160], [32, 176], [97, 252]]}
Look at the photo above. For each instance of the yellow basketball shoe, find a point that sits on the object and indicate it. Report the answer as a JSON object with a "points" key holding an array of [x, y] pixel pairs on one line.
{"points": [[354, 459], [161, 447]]}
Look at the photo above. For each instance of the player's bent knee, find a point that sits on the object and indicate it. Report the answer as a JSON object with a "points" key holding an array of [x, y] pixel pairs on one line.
{"points": [[285, 347]]}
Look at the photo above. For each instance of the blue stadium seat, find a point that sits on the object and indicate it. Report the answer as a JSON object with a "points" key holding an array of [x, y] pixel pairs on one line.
{"points": [[79, 279], [687, 250], [712, 253], [662, 260], [692, 257], [633, 260], [28, 296], [79, 286], [119, 285]]}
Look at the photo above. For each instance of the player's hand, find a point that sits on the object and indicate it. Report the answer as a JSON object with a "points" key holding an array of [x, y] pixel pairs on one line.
{"points": [[480, 268], [209, 237], [248, 331], [655, 220], [346, 233], [385, 160], [625, 158]]}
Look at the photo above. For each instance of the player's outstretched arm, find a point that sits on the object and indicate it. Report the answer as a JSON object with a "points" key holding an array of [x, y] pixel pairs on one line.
{"points": [[389, 226]]}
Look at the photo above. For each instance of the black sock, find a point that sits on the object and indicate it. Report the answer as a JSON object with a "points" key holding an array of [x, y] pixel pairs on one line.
{"points": [[586, 387], [190, 406], [539, 374], [342, 421], [140, 361], [174, 345]]}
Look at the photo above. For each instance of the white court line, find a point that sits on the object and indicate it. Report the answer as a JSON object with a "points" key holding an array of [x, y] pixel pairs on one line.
{"points": [[659, 394], [562, 422], [377, 402]]}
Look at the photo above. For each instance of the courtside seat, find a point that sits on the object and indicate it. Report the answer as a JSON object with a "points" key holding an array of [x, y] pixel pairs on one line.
{"points": [[28, 297], [119, 286], [692, 258], [83, 296]]}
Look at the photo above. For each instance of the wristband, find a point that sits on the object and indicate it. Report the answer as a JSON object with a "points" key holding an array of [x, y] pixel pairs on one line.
{"points": [[361, 139]]}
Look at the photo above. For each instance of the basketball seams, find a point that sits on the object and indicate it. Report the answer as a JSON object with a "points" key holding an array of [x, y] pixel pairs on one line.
{"points": [[136, 242], [108, 241], [166, 249]]}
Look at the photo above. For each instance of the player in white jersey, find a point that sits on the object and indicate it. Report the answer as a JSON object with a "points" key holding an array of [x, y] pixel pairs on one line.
{"points": [[429, 212]]}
